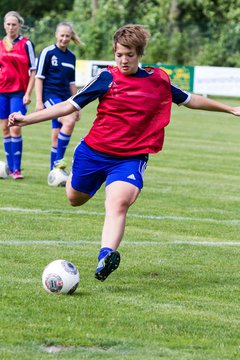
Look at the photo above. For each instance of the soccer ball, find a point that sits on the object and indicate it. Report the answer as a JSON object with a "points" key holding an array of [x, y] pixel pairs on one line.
{"points": [[60, 277], [57, 177], [4, 170]]}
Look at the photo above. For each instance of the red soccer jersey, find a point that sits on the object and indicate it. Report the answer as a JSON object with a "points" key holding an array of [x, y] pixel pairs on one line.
{"points": [[14, 67], [132, 115]]}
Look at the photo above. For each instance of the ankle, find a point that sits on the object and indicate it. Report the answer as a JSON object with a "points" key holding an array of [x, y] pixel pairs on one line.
{"points": [[103, 252]]}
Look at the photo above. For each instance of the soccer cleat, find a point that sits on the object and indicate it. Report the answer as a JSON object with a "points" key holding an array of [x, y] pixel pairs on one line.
{"points": [[60, 164], [17, 175], [107, 265]]}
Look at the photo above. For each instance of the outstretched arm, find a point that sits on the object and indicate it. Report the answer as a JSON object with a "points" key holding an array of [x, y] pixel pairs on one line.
{"points": [[58, 110], [203, 103]]}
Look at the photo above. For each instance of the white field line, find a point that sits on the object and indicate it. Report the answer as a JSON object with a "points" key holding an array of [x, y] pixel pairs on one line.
{"points": [[147, 217], [125, 243]]}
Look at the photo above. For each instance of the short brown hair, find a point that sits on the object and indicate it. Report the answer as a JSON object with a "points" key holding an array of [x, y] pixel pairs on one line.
{"points": [[132, 36]]}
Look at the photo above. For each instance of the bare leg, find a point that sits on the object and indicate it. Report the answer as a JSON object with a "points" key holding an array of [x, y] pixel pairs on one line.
{"points": [[5, 128], [54, 136], [120, 196], [68, 123], [76, 198]]}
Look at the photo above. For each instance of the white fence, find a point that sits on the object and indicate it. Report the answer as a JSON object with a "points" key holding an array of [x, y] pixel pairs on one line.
{"points": [[207, 80]]}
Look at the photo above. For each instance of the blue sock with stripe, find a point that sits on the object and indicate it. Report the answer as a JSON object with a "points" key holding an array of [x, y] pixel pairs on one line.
{"points": [[63, 141], [7, 143], [17, 147], [53, 156], [103, 252]]}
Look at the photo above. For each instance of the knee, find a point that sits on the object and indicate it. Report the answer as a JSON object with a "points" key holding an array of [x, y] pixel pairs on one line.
{"points": [[5, 129], [72, 199], [5, 132], [15, 131], [118, 205], [77, 200], [73, 202], [68, 125]]}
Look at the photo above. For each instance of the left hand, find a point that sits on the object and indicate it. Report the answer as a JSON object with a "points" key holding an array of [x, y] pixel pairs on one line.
{"points": [[26, 99]]}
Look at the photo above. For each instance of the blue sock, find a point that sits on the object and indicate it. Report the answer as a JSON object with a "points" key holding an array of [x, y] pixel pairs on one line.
{"points": [[17, 146], [103, 252], [7, 143], [63, 141], [53, 156]]}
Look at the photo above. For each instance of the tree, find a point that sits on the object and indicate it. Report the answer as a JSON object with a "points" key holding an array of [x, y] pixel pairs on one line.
{"points": [[184, 32], [41, 18], [34, 9], [97, 20], [31, 10]]}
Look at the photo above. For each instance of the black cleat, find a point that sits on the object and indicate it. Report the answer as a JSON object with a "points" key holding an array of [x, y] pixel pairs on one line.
{"points": [[107, 265]]}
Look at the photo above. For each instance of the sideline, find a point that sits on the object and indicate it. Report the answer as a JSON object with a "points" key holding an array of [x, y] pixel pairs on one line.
{"points": [[137, 216], [124, 243]]}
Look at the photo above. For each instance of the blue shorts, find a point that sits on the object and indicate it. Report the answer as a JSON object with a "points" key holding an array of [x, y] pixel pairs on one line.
{"points": [[50, 102], [11, 102], [90, 169]]}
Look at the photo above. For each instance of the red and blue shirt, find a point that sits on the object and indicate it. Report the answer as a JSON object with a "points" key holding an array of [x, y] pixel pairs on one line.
{"points": [[132, 112], [16, 64]]}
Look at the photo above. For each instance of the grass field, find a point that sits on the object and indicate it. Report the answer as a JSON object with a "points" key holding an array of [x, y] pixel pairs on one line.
{"points": [[176, 293]]}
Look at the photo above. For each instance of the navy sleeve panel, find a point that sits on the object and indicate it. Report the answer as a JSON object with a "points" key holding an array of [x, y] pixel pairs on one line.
{"points": [[179, 96], [96, 88], [30, 48]]}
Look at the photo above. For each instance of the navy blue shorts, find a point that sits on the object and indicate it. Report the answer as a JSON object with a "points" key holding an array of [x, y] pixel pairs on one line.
{"points": [[56, 124], [90, 169], [12, 102]]}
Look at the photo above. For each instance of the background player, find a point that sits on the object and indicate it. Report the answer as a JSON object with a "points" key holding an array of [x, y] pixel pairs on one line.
{"points": [[17, 60], [55, 82]]}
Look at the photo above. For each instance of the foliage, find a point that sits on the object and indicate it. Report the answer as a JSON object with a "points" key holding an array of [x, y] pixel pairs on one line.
{"points": [[97, 27], [201, 32], [35, 9], [204, 32], [32, 10]]}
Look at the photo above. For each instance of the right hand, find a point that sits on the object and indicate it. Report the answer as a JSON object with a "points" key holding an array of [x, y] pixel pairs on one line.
{"points": [[16, 119]]}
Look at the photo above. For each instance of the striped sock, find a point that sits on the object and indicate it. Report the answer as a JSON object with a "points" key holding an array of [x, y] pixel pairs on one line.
{"points": [[103, 252], [7, 143], [53, 156], [63, 141], [17, 147]]}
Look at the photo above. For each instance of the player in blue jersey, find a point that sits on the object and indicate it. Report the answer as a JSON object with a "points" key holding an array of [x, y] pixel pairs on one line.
{"points": [[55, 82], [17, 71], [133, 110]]}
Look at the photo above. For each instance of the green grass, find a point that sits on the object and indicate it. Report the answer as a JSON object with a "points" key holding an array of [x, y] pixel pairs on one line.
{"points": [[176, 293]]}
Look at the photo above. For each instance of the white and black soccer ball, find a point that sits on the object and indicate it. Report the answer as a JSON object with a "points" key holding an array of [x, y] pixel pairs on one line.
{"points": [[60, 277], [57, 177], [4, 170]]}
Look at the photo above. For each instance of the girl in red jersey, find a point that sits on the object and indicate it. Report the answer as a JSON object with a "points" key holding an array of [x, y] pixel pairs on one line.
{"points": [[17, 72], [134, 108]]}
